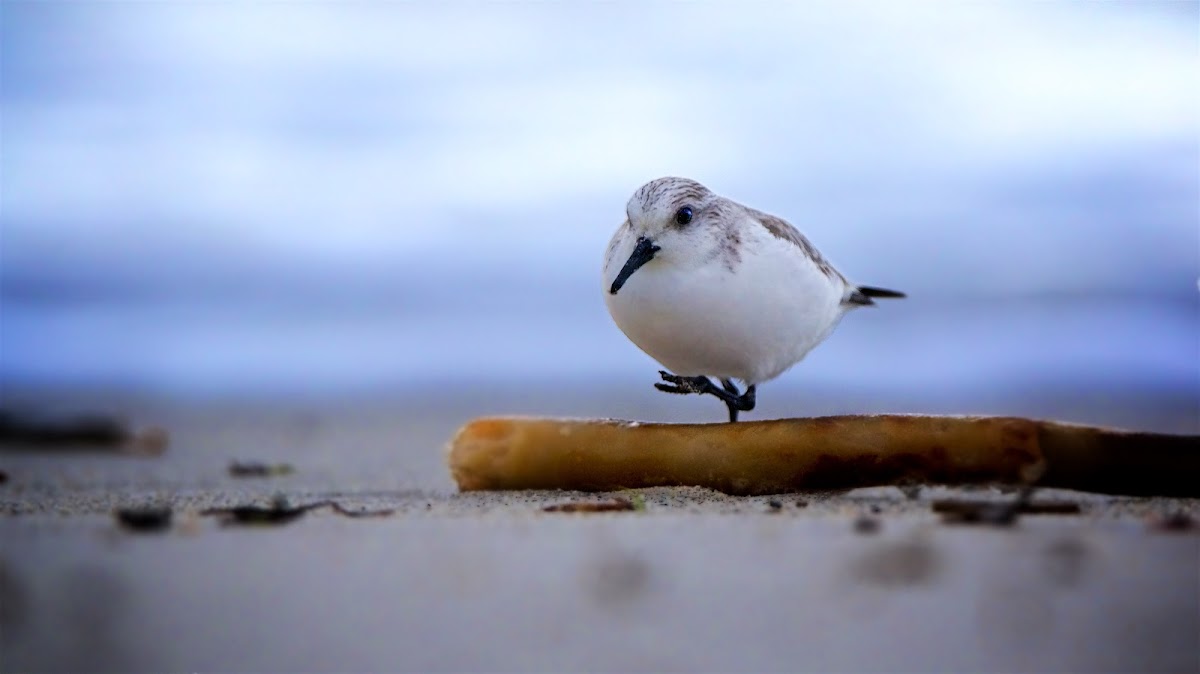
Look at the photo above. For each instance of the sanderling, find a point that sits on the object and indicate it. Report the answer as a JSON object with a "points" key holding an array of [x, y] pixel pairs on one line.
{"points": [[711, 288]]}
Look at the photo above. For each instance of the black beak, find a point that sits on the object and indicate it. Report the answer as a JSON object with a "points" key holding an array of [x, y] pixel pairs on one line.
{"points": [[642, 253]]}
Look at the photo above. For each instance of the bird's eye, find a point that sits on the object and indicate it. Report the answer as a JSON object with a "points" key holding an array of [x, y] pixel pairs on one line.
{"points": [[684, 215]]}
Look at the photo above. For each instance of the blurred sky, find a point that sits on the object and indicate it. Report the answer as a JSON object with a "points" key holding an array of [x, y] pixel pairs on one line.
{"points": [[269, 196]]}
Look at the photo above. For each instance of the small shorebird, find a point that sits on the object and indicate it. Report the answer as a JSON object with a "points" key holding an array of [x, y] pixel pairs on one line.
{"points": [[713, 289]]}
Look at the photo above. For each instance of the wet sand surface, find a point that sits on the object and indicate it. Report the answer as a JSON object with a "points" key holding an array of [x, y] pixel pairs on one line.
{"points": [[396, 571]]}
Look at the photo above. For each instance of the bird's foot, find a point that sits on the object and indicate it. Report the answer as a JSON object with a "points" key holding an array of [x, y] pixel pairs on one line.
{"points": [[728, 393], [683, 385]]}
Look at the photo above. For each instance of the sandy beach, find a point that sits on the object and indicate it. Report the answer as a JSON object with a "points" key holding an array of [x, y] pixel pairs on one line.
{"points": [[399, 572]]}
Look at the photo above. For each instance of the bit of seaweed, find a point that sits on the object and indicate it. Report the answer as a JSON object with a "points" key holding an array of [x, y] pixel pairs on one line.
{"points": [[357, 514], [86, 432], [255, 469], [82, 430], [279, 512], [144, 519]]}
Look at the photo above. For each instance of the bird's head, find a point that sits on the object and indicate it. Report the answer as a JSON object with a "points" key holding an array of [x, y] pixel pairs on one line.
{"points": [[671, 220]]}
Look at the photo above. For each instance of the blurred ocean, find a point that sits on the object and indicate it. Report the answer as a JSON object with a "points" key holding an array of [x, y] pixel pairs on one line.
{"points": [[274, 200]]}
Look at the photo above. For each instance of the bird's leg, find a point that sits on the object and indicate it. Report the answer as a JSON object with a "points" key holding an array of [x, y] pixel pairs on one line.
{"points": [[738, 402], [741, 402], [728, 393]]}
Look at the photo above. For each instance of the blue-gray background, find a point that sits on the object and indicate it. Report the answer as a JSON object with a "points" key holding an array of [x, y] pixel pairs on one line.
{"points": [[273, 200]]}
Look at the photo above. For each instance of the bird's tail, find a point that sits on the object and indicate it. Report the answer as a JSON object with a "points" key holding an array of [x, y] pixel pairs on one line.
{"points": [[862, 295]]}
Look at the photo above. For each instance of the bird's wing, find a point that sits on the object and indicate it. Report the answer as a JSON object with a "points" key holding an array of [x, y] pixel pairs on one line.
{"points": [[855, 295], [782, 229]]}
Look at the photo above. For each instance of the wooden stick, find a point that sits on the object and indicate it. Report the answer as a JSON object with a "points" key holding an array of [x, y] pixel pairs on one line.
{"points": [[768, 457]]}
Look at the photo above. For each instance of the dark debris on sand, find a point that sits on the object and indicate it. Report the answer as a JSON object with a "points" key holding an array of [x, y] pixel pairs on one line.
{"points": [[614, 505], [1173, 522], [90, 432], [279, 512], [1005, 513], [144, 519], [256, 469]]}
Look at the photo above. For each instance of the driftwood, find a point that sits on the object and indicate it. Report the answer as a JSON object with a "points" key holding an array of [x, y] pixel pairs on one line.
{"points": [[769, 457]]}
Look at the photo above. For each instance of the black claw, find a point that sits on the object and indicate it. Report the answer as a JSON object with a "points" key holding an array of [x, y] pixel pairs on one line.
{"points": [[677, 384], [727, 393]]}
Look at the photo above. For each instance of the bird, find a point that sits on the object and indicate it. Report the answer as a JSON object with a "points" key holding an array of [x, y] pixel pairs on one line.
{"points": [[715, 290]]}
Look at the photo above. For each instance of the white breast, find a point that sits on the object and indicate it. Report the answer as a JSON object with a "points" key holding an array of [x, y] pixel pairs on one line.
{"points": [[750, 323]]}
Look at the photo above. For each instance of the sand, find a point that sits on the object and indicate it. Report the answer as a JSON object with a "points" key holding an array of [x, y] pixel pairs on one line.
{"points": [[866, 580]]}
